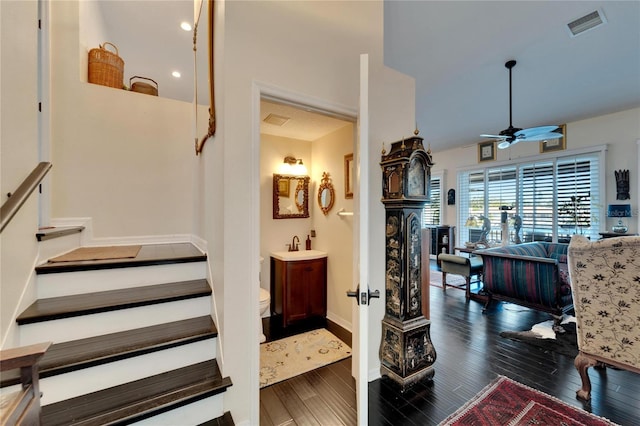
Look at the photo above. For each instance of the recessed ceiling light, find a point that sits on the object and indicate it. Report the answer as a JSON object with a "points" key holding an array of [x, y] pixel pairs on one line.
{"points": [[185, 26], [176, 74]]}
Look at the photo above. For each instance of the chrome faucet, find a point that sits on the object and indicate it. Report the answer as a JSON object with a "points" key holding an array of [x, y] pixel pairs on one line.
{"points": [[294, 245]]}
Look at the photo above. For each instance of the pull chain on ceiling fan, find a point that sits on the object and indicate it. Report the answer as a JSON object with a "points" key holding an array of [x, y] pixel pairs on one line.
{"points": [[513, 135]]}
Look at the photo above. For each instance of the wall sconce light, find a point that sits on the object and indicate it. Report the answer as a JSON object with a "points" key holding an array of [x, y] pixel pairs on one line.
{"points": [[619, 211], [293, 166]]}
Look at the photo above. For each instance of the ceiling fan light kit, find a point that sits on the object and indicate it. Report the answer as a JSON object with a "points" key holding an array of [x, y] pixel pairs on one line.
{"points": [[512, 135]]}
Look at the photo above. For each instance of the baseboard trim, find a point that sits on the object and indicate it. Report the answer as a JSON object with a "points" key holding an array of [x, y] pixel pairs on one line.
{"points": [[339, 321], [340, 332], [374, 374]]}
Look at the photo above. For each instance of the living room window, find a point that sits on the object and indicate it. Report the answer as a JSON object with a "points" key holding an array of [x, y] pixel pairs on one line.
{"points": [[554, 197], [431, 213]]}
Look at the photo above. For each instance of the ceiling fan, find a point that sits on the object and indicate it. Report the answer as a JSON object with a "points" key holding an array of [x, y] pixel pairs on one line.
{"points": [[513, 135]]}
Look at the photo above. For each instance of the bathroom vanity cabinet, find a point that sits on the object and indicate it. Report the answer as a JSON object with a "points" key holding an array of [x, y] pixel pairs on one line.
{"points": [[299, 288]]}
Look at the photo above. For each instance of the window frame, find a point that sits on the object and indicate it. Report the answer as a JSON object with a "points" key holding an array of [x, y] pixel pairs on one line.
{"points": [[597, 199], [427, 208]]}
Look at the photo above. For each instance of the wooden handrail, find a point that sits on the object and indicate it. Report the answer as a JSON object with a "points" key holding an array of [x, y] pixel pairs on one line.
{"points": [[18, 198], [23, 407]]}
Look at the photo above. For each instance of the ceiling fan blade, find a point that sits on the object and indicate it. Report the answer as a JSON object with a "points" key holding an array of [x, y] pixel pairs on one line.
{"points": [[506, 144], [532, 131], [539, 137], [493, 136]]}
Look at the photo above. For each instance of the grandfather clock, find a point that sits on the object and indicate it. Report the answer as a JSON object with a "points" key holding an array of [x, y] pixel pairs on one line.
{"points": [[406, 352]]}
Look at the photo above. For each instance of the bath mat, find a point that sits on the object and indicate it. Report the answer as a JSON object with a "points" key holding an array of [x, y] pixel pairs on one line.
{"points": [[98, 253], [292, 356], [507, 402]]}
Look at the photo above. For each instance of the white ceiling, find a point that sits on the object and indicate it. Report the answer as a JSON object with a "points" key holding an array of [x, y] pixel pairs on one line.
{"points": [[455, 50]]}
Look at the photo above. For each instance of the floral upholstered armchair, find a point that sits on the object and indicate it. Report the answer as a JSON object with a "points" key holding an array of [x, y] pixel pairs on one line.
{"points": [[605, 281]]}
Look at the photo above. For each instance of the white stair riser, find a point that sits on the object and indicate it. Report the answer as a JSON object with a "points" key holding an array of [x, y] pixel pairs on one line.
{"points": [[67, 329], [80, 382], [68, 283], [56, 246], [197, 412]]}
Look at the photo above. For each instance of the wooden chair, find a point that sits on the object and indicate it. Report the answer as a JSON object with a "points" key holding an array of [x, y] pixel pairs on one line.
{"points": [[605, 281], [22, 407], [460, 265]]}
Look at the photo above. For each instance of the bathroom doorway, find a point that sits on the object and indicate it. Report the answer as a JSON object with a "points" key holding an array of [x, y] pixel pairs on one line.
{"points": [[323, 141]]}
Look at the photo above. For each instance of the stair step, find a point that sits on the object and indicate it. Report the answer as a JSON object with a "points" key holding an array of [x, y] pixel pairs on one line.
{"points": [[52, 232], [84, 353], [139, 399], [150, 254], [90, 303], [224, 420]]}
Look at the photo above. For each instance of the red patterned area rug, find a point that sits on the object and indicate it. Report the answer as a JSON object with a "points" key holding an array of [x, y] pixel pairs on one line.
{"points": [[506, 402]]}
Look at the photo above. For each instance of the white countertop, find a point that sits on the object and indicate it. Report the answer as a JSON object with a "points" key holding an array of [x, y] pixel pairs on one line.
{"points": [[298, 255]]}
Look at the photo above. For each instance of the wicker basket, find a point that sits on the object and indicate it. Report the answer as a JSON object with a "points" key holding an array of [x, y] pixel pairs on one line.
{"points": [[145, 88], [105, 67]]}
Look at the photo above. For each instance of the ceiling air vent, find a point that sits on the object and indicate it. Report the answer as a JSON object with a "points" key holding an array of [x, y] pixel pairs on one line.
{"points": [[276, 120], [586, 23]]}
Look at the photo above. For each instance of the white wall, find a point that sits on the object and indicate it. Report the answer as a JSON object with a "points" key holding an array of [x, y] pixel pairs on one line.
{"points": [[334, 234], [19, 147], [392, 117], [619, 131], [282, 45], [122, 158], [276, 233]]}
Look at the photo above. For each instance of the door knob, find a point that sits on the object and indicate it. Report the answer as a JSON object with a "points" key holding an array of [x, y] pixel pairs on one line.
{"points": [[363, 298]]}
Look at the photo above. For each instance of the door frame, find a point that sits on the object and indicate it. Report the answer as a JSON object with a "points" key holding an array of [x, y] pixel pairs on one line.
{"points": [[259, 91]]}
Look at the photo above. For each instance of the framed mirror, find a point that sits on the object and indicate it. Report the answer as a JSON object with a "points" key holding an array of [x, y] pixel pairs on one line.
{"points": [[290, 196], [348, 176], [326, 194]]}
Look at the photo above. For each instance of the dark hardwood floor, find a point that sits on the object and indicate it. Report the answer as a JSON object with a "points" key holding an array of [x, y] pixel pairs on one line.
{"points": [[470, 354]]}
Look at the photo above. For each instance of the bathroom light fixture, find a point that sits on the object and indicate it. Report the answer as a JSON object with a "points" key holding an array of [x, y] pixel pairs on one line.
{"points": [[176, 74], [293, 166], [185, 26]]}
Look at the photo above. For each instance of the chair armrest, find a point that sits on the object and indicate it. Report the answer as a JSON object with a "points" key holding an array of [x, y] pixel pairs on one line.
{"points": [[486, 254], [452, 258]]}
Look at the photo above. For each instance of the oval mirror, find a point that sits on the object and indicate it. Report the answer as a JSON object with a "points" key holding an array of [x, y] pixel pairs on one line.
{"points": [[290, 196], [301, 196], [326, 194]]}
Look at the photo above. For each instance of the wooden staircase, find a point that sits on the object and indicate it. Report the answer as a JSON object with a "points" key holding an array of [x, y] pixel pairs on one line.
{"points": [[134, 341]]}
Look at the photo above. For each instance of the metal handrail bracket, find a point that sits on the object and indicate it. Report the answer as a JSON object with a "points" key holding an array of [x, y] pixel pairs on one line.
{"points": [[20, 196]]}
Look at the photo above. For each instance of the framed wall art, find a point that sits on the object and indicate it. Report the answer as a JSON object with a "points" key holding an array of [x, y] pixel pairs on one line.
{"points": [[348, 176], [557, 144], [486, 151]]}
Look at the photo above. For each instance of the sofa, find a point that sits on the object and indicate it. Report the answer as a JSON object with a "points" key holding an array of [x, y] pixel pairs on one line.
{"points": [[605, 280], [533, 274]]}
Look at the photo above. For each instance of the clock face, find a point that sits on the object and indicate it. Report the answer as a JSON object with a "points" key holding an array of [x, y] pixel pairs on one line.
{"points": [[416, 179]]}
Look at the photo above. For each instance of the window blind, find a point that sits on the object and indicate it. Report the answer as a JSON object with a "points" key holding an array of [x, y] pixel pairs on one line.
{"points": [[432, 210], [554, 197]]}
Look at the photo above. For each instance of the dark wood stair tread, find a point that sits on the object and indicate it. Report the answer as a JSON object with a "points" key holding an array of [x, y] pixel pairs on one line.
{"points": [[91, 303], [84, 353], [139, 399], [52, 232], [149, 255], [224, 420]]}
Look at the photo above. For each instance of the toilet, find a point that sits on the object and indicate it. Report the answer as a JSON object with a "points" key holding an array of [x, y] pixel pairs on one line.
{"points": [[265, 298]]}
